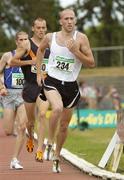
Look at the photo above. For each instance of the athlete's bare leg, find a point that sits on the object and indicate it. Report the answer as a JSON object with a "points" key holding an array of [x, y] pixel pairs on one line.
{"points": [[41, 126], [30, 111], [8, 122], [63, 129], [57, 107], [21, 127]]}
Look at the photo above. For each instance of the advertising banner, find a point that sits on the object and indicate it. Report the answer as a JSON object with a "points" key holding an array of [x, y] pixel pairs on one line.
{"points": [[94, 118]]}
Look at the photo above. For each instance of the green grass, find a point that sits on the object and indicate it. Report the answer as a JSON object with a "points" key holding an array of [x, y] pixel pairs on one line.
{"points": [[90, 144]]}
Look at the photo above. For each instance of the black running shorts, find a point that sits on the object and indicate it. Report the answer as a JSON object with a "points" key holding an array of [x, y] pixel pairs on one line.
{"points": [[69, 91], [30, 92]]}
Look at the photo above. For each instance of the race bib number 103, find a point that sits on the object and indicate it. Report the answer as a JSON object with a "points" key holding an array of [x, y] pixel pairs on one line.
{"points": [[17, 80]]}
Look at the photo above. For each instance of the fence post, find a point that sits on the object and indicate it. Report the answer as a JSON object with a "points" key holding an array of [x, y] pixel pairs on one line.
{"points": [[121, 57]]}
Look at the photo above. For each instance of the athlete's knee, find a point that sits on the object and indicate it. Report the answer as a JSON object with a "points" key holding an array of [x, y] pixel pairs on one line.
{"points": [[42, 115], [57, 109], [8, 132], [22, 127]]}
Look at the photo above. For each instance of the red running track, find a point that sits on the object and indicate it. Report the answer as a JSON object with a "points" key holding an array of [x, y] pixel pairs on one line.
{"points": [[33, 170]]}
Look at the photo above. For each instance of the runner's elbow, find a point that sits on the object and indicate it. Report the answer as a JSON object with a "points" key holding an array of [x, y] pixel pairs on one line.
{"points": [[92, 64]]}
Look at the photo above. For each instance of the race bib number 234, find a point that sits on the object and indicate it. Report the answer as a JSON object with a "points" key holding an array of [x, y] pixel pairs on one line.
{"points": [[64, 64]]}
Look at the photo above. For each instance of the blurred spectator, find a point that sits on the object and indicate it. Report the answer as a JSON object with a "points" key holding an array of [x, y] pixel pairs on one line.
{"points": [[116, 100], [83, 101], [111, 100], [88, 95], [99, 91]]}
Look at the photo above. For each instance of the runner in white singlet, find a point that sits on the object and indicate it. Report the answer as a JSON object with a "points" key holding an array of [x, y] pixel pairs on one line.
{"points": [[69, 49]]}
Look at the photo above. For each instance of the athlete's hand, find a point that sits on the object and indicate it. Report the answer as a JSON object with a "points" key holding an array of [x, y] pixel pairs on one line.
{"points": [[3, 92], [33, 61], [71, 45]]}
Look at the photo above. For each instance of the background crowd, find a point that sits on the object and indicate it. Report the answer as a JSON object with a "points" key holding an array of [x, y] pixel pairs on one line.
{"points": [[99, 97]]}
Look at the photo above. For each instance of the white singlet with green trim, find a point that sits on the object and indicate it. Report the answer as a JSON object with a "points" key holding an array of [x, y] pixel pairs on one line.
{"points": [[63, 64]]}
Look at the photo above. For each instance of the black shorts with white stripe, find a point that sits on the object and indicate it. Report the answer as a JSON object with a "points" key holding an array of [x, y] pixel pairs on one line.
{"points": [[69, 91]]}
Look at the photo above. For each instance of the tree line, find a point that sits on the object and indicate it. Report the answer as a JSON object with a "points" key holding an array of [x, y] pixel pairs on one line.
{"points": [[101, 20]]}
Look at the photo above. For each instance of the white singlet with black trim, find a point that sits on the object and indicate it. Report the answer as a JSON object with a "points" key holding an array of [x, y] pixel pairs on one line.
{"points": [[63, 65]]}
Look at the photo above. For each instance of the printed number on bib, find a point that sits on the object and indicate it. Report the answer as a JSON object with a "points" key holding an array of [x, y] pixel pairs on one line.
{"points": [[64, 64], [44, 67], [17, 80], [33, 69]]}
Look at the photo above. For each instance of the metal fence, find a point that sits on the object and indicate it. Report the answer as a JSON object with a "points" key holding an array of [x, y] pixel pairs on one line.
{"points": [[100, 54], [117, 55]]}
